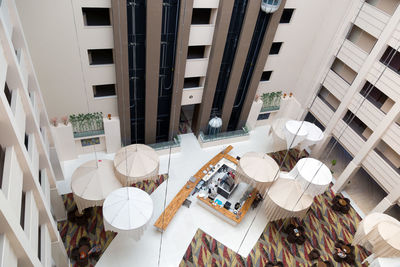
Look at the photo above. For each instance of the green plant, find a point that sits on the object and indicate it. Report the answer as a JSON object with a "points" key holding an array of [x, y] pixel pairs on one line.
{"points": [[333, 163]]}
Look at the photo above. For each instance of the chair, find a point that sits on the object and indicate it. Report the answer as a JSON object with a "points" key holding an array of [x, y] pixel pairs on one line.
{"points": [[84, 241]]}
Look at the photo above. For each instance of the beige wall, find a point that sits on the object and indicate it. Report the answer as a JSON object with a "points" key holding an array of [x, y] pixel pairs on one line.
{"points": [[59, 54]]}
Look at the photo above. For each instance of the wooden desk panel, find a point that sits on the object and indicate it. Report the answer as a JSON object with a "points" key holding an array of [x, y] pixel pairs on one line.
{"points": [[245, 208], [166, 217]]}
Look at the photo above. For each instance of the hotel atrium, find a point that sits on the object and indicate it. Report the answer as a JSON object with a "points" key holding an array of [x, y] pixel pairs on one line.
{"points": [[199, 133]]}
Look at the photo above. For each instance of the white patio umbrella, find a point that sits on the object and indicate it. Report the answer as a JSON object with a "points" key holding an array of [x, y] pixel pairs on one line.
{"points": [[127, 210], [285, 199], [278, 134], [92, 182], [312, 175], [257, 169], [136, 163], [314, 135], [295, 132]]}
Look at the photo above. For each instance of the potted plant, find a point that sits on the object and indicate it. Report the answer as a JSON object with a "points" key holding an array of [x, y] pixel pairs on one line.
{"points": [[333, 163], [54, 121], [64, 119]]}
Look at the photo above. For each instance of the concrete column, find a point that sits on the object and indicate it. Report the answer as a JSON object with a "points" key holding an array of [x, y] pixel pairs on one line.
{"points": [[120, 33], [153, 47], [383, 206], [57, 204], [372, 141], [346, 175], [214, 64], [250, 19], [359, 80], [260, 64], [185, 19]]}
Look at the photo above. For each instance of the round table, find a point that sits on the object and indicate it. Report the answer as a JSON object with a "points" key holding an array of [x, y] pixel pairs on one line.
{"points": [[379, 233], [135, 163], [258, 170], [127, 210], [285, 199], [92, 182], [295, 132], [313, 176]]}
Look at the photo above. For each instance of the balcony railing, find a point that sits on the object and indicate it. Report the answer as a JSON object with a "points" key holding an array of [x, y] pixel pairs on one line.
{"points": [[225, 135], [176, 142]]}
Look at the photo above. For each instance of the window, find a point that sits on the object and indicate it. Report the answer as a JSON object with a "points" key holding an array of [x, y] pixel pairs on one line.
{"points": [[287, 15], [22, 215], [7, 92], [104, 90], [329, 99], [391, 58], [96, 16], [26, 141], [266, 75], [191, 82], [2, 159], [40, 242], [275, 48], [100, 56], [357, 125], [201, 16], [374, 95], [263, 116], [196, 52]]}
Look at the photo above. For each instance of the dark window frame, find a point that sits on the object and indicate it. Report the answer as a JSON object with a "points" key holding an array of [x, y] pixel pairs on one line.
{"points": [[100, 56], [103, 94], [106, 21], [275, 48], [266, 76], [287, 15]]}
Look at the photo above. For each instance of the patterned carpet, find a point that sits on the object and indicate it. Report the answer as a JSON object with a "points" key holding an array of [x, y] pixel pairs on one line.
{"points": [[71, 233], [323, 227]]}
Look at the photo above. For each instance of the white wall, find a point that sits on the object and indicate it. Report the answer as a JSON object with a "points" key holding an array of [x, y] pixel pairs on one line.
{"points": [[306, 40], [57, 43]]}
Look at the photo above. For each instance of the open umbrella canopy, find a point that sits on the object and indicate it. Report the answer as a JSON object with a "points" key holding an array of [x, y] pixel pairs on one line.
{"points": [[92, 182], [127, 210], [295, 132], [257, 169], [135, 163]]}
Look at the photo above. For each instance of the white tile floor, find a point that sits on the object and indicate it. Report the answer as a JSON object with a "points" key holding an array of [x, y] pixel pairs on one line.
{"points": [[175, 240]]}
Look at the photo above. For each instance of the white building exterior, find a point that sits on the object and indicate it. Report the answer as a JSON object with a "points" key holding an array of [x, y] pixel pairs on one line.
{"points": [[29, 166], [60, 40]]}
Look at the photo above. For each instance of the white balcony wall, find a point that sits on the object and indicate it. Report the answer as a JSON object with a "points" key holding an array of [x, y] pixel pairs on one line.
{"points": [[192, 96], [23, 66], [33, 154], [321, 111], [45, 246], [336, 85], [5, 18], [46, 187], [395, 39], [8, 257], [31, 225], [12, 181], [196, 67], [372, 20], [367, 112], [35, 105], [388, 83], [205, 3], [392, 137], [19, 113], [382, 172], [352, 55], [348, 138], [97, 37], [201, 34]]}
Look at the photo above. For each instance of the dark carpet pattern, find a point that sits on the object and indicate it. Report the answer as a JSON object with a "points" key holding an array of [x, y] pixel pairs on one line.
{"points": [[323, 228], [71, 233]]}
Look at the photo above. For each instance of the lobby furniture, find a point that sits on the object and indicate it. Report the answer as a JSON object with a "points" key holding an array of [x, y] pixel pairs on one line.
{"points": [[285, 199], [127, 211], [135, 163], [92, 182], [341, 204]]}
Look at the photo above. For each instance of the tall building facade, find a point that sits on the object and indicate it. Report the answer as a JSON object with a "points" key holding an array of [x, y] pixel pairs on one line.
{"points": [[29, 166], [357, 102]]}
